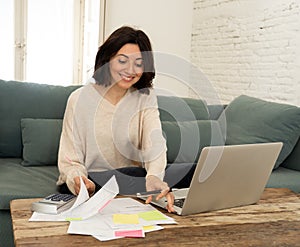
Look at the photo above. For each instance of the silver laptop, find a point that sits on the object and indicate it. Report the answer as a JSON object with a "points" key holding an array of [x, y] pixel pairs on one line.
{"points": [[226, 177]]}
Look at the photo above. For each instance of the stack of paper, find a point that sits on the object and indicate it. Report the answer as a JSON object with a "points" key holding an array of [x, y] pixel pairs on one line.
{"points": [[106, 217]]}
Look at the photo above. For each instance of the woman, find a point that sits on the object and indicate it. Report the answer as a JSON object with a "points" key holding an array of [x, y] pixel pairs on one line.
{"points": [[112, 123]]}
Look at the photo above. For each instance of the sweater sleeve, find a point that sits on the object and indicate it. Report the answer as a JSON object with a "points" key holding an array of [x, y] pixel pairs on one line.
{"points": [[70, 155], [153, 142]]}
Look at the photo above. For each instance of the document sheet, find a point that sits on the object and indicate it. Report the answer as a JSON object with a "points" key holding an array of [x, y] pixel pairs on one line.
{"points": [[105, 217]]}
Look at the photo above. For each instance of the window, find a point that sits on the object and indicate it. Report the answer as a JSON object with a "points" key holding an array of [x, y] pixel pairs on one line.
{"points": [[7, 43], [49, 41]]}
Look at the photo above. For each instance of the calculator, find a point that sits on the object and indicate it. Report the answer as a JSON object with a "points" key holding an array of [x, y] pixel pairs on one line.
{"points": [[54, 203]]}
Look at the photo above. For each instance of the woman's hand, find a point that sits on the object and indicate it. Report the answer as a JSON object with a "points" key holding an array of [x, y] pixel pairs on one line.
{"points": [[88, 183], [154, 183]]}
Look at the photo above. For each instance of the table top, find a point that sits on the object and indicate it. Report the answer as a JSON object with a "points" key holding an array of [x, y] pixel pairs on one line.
{"points": [[273, 221]]}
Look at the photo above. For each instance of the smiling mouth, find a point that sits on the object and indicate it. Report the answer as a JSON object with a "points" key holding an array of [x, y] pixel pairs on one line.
{"points": [[127, 78]]}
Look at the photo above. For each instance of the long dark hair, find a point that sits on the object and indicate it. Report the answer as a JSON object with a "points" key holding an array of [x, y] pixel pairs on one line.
{"points": [[113, 44]]}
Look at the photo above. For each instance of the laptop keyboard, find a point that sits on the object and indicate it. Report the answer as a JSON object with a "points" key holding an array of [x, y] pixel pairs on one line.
{"points": [[179, 202]]}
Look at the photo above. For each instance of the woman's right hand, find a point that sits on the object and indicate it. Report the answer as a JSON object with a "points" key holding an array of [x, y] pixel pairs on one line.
{"points": [[154, 183], [88, 183]]}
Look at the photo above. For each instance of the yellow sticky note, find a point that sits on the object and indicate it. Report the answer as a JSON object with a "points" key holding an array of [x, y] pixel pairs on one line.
{"points": [[125, 219], [152, 215], [148, 228], [73, 219]]}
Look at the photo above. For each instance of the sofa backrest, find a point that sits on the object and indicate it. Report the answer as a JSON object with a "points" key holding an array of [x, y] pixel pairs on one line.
{"points": [[293, 160], [253, 120], [188, 125], [20, 100], [173, 108]]}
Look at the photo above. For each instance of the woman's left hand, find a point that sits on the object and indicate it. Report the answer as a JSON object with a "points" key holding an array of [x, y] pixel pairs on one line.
{"points": [[154, 183], [90, 186]]}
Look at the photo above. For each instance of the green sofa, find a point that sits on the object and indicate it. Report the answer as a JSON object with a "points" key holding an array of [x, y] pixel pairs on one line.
{"points": [[30, 124]]}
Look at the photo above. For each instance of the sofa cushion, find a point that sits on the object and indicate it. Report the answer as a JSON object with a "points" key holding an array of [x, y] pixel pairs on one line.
{"points": [[252, 120], [215, 111], [293, 160], [284, 178], [27, 100], [185, 140], [40, 138], [6, 231], [17, 181], [173, 108]]}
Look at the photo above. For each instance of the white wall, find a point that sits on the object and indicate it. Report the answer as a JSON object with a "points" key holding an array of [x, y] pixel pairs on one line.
{"points": [[168, 23], [248, 47]]}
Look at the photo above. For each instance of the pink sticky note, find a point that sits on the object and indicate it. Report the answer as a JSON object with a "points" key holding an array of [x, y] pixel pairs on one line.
{"points": [[130, 233]]}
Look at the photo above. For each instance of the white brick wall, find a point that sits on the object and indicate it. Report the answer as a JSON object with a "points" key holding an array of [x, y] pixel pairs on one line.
{"points": [[247, 47]]}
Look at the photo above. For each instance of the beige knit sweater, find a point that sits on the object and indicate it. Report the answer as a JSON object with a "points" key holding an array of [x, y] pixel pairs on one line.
{"points": [[98, 136]]}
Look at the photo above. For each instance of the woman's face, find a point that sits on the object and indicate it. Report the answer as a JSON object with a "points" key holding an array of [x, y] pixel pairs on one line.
{"points": [[126, 67]]}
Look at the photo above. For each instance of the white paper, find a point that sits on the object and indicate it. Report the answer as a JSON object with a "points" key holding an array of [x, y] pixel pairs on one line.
{"points": [[97, 202], [83, 196], [126, 205], [95, 216], [84, 208], [131, 206], [106, 236], [97, 225], [92, 226], [102, 227], [155, 228], [46, 217]]}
